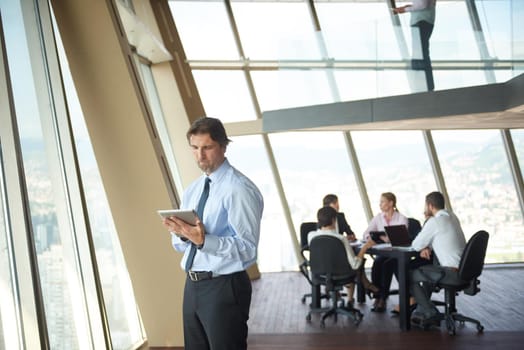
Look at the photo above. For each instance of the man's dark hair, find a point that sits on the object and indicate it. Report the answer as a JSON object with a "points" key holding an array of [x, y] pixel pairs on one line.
{"points": [[329, 199], [211, 126], [325, 216], [436, 199]]}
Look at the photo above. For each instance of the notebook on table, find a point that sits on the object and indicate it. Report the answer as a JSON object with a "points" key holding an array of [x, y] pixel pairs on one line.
{"points": [[398, 236]]}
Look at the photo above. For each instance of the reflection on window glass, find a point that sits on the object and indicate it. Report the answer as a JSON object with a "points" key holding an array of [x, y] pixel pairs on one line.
{"points": [[518, 140], [311, 165], [276, 30], [275, 249], [357, 31], [291, 88], [56, 254], [9, 331], [395, 161], [204, 29], [481, 189], [160, 122], [495, 19], [124, 323], [225, 95], [453, 37]]}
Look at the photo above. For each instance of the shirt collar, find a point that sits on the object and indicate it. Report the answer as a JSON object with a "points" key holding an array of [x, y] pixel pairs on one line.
{"points": [[219, 172], [441, 212]]}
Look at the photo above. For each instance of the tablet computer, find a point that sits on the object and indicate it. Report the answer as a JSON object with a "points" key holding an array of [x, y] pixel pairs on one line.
{"points": [[188, 215], [375, 235]]}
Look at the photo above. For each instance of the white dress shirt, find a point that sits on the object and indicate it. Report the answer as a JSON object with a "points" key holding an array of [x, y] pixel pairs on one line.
{"points": [[443, 234], [354, 261]]}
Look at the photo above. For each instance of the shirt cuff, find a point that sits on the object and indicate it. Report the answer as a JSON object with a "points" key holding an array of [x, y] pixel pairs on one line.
{"points": [[211, 244]]}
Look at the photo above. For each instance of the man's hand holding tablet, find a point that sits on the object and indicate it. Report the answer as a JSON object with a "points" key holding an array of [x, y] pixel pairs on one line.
{"points": [[184, 223]]}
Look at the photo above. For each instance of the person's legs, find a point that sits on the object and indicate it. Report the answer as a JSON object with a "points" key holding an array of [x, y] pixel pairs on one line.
{"points": [[423, 281], [388, 269], [223, 308], [377, 271], [422, 61], [350, 289], [194, 335]]}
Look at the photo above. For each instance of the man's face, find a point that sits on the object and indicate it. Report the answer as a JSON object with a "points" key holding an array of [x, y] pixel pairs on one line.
{"points": [[427, 210], [208, 153]]}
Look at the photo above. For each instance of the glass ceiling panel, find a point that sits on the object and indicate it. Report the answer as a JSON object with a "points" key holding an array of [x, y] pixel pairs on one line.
{"points": [[204, 29], [495, 19], [276, 30], [291, 88], [225, 95], [453, 37], [357, 31]]}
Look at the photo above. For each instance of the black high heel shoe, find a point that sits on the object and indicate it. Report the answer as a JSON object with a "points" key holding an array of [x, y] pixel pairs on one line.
{"points": [[412, 308], [371, 290], [380, 305]]}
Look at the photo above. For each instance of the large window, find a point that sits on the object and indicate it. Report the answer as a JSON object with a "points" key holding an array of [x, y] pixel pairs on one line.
{"points": [[311, 165], [54, 241], [275, 250], [358, 53], [395, 161], [481, 189]]}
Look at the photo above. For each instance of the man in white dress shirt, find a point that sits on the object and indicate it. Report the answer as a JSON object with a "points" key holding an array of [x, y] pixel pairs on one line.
{"points": [[443, 236]]}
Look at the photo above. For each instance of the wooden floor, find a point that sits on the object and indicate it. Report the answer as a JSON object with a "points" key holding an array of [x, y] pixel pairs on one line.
{"points": [[277, 318]]}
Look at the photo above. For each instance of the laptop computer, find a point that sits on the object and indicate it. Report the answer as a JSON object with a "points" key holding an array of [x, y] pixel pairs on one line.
{"points": [[398, 235]]}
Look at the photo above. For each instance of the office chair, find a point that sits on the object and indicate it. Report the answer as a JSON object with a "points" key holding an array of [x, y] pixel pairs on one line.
{"points": [[305, 229], [414, 228], [470, 268], [330, 268]]}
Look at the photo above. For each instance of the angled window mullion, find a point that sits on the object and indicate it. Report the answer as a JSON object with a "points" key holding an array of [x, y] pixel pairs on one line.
{"points": [[509, 148], [480, 39], [435, 165]]}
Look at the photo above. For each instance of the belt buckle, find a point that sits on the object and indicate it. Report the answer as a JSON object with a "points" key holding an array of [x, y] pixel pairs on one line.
{"points": [[193, 276]]}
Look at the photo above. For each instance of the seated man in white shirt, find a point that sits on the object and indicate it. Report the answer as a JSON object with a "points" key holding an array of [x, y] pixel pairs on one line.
{"points": [[443, 236], [327, 223]]}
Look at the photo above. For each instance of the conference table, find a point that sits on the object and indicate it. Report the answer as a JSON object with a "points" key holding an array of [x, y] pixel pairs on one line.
{"points": [[403, 257]]}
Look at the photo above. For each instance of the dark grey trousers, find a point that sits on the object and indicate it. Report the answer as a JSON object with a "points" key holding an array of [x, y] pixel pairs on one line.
{"points": [[423, 281]]}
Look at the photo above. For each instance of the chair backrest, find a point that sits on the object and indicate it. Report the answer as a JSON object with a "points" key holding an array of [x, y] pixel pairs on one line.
{"points": [[414, 228], [472, 260], [328, 257], [305, 229]]}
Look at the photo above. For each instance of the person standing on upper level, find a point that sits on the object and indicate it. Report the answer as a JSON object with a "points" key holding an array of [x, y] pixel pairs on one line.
{"points": [[423, 20]]}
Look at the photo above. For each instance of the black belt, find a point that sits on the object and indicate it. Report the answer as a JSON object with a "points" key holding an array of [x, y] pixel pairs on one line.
{"points": [[196, 276]]}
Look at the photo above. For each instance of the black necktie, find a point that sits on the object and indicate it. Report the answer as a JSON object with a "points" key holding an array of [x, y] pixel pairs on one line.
{"points": [[200, 213]]}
